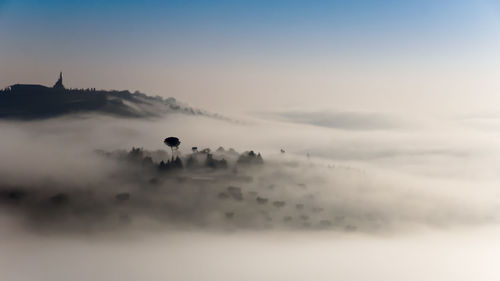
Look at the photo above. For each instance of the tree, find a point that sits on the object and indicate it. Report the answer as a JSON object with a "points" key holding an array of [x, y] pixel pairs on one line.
{"points": [[172, 142]]}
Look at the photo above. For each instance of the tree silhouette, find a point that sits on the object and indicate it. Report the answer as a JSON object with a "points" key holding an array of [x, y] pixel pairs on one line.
{"points": [[172, 142]]}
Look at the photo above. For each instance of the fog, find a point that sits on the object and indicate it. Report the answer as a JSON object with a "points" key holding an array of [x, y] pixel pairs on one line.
{"points": [[249, 256], [352, 196]]}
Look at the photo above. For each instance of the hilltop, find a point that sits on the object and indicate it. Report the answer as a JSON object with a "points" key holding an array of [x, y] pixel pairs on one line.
{"points": [[29, 101]]}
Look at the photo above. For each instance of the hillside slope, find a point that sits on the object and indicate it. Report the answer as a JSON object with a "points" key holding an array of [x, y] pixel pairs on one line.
{"points": [[22, 101]]}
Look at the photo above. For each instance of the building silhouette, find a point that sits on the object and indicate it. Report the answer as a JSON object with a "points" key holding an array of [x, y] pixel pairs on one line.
{"points": [[59, 83]]}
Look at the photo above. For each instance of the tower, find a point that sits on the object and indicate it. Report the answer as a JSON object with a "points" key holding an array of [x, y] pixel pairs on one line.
{"points": [[59, 83]]}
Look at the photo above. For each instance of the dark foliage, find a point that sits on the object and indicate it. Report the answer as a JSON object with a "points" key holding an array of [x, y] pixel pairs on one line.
{"points": [[250, 158], [172, 142], [214, 163], [261, 200], [122, 197], [235, 193], [27, 101]]}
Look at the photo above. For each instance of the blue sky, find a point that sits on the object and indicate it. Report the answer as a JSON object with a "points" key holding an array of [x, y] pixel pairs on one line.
{"points": [[153, 37], [244, 22]]}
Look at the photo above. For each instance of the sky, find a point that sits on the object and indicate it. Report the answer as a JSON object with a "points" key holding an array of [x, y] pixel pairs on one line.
{"points": [[417, 56]]}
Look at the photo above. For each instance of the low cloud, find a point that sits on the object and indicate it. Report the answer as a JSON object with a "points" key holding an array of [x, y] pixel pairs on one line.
{"points": [[56, 182], [343, 120]]}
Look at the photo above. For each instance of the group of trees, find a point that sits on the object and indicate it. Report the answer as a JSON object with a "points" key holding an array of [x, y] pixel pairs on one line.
{"points": [[250, 158], [197, 159]]}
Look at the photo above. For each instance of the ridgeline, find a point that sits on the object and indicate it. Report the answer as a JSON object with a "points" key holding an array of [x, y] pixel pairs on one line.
{"points": [[29, 101]]}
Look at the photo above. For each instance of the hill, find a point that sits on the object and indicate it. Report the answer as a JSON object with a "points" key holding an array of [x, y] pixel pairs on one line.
{"points": [[27, 101]]}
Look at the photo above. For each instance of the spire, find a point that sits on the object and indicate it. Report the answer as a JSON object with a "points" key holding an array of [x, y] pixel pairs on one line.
{"points": [[59, 83]]}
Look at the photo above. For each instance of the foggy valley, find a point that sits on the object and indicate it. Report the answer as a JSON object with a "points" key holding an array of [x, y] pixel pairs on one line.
{"points": [[249, 140], [93, 184]]}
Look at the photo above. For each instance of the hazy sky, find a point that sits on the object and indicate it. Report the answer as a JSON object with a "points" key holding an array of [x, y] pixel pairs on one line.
{"points": [[349, 55]]}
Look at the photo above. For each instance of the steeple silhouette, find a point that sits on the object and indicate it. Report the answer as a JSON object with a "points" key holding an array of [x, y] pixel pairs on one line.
{"points": [[59, 83]]}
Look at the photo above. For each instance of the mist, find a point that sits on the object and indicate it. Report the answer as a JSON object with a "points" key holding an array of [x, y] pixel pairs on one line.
{"points": [[332, 201]]}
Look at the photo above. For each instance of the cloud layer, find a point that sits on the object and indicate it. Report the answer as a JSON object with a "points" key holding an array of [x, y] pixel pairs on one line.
{"points": [[56, 182]]}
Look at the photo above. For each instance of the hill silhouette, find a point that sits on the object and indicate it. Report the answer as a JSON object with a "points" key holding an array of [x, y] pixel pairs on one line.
{"points": [[28, 101]]}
